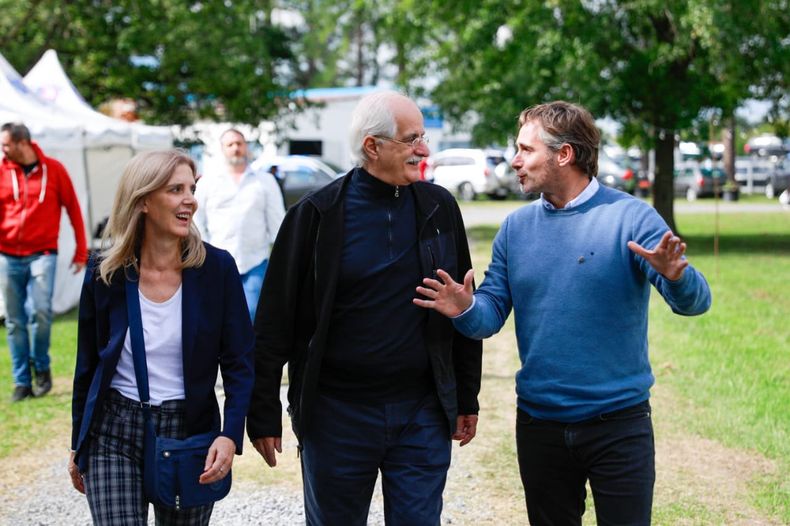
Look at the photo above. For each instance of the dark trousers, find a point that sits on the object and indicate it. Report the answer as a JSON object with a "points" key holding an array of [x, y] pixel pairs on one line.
{"points": [[615, 451], [114, 479], [346, 446]]}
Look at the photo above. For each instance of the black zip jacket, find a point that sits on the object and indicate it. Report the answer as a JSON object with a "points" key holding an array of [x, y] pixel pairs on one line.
{"points": [[296, 302]]}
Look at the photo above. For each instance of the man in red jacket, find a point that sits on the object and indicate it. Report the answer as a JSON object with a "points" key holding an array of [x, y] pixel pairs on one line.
{"points": [[33, 189]]}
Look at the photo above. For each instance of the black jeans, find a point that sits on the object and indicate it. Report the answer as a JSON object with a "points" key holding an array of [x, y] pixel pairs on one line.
{"points": [[615, 451]]}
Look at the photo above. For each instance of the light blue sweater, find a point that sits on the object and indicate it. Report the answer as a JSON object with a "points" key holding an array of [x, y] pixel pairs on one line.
{"points": [[580, 298]]}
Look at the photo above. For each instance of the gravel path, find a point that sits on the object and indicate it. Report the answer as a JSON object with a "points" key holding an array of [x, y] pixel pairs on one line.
{"points": [[51, 501], [37, 492]]}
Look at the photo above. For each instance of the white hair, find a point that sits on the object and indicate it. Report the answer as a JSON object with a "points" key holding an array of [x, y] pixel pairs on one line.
{"points": [[372, 116]]}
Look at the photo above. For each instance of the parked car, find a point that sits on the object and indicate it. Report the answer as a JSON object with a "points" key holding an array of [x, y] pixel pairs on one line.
{"points": [[618, 175], [299, 174], [468, 172], [693, 181], [769, 146], [778, 178]]}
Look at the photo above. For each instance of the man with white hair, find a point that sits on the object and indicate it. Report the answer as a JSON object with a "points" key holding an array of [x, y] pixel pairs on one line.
{"points": [[376, 383]]}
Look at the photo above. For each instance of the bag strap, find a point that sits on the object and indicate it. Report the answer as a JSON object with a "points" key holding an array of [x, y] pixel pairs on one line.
{"points": [[138, 342]]}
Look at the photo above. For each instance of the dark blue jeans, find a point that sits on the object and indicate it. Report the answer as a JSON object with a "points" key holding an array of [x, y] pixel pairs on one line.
{"points": [[346, 446], [615, 451]]}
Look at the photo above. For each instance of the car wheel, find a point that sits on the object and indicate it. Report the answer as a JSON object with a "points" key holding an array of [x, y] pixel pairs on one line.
{"points": [[769, 190], [466, 192], [691, 194]]}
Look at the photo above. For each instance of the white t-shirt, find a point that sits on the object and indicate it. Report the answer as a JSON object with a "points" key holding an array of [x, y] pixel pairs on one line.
{"points": [[163, 353]]}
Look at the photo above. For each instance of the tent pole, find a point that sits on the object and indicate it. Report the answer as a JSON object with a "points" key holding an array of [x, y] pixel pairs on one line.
{"points": [[89, 196]]}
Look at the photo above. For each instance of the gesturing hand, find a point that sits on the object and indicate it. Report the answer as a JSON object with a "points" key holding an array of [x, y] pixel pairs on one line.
{"points": [[666, 257], [446, 296]]}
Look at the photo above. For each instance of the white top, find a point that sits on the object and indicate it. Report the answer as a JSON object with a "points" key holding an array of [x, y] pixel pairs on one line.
{"points": [[163, 353], [241, 218]]}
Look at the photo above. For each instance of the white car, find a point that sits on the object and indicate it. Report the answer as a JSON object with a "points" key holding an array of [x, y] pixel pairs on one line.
{"points": [[469, 172]]}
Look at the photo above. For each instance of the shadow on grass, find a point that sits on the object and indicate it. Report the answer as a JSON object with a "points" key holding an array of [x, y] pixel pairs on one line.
{"points": [[775, 244]]}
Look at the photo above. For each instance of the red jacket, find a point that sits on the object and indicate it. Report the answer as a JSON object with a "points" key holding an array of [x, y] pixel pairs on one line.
{"points": [[30, 214]]}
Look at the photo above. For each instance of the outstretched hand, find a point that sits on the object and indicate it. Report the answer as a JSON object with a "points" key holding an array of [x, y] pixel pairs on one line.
{"points": [[446, 296], [666, 257]]}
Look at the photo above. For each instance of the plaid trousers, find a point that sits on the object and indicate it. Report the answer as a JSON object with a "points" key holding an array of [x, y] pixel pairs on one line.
{"points": [[114, 479]]}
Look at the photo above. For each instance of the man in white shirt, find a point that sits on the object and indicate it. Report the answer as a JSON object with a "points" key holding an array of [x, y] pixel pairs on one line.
{"points": [[240, 210]]}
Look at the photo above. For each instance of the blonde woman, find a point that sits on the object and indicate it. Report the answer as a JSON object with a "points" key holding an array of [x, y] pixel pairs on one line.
{"points": [[194, 321]]}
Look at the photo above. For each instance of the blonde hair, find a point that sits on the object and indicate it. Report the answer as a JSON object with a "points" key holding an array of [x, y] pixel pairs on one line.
{"points": [[144, 173]]}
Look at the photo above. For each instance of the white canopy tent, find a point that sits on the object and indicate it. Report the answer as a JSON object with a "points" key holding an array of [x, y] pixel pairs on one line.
{"points": [[94, 149], [109, 143]]}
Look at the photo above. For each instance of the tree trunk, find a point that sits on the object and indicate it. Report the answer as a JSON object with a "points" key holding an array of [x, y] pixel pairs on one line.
{"points": [[663, 185], [360, 61]]}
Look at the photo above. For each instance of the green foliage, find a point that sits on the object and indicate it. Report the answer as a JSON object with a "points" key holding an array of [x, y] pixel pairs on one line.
{"points": [[653, 66], [178, 60]]}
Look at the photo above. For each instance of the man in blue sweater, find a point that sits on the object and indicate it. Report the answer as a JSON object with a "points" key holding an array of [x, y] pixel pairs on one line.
{"points": [[575, 269]]}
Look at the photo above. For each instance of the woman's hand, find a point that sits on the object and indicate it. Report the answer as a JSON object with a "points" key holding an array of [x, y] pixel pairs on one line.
{"points": [[76, 476], [218, 461]]}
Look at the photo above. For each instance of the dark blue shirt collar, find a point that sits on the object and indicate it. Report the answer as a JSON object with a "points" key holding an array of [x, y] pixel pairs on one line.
{"points": [[370, 186]]}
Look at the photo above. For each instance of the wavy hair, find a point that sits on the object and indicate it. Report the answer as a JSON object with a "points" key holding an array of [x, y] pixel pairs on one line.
{"points": [[566, 123], [123, 236]]}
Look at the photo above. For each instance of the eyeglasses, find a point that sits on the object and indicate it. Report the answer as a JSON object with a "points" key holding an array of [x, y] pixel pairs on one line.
{"points": [[422, 139]]}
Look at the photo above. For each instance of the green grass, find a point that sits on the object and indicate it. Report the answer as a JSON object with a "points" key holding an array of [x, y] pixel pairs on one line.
{"points": [[733, 363], [32, 420], [731, 366], [728, 370]]}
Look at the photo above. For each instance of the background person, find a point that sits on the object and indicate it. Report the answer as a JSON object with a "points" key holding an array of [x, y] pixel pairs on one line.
{"points": [[194, 320], [376, 384], [241, 211], [574, 269], [33, 190]]}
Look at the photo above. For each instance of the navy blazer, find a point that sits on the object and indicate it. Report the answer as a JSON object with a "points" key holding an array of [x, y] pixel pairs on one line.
{"points": [[216, 332]]}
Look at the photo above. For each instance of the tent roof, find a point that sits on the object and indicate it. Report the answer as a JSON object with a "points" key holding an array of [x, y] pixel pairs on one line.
{"points": [[48, 80]]}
